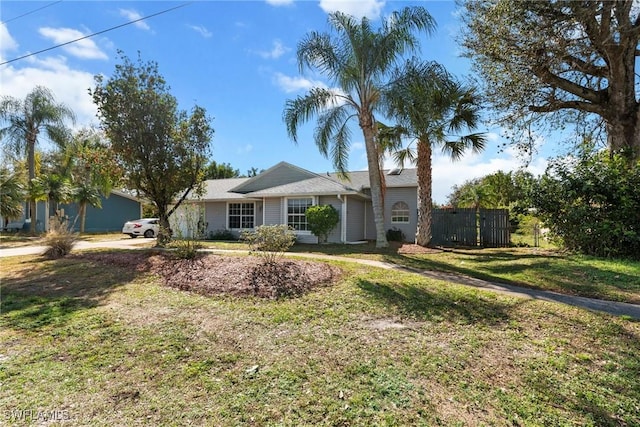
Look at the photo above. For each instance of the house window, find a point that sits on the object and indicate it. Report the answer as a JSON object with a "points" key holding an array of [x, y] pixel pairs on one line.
{"points": [[296, 210], [400, 213], [241, 215]]}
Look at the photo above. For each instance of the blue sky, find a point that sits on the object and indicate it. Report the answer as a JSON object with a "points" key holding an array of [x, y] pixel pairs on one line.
{"points": [[234, 58]]}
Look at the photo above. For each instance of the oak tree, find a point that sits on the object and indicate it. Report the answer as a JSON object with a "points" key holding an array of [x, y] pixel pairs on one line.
{"points": [[163, 150]]}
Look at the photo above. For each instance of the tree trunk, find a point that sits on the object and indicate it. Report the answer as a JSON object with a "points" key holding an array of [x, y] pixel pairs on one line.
{"points": [[376, 185], [164, 231], [622, 110], [83, 215], [31, 160], [423, 230]]}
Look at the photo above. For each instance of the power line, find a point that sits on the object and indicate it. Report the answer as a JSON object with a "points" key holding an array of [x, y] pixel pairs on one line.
{"points": [[95, 34], [29, 13]]}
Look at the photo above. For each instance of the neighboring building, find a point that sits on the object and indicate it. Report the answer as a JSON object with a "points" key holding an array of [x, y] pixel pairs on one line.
{"points": [[116, 209], [282, 193]]}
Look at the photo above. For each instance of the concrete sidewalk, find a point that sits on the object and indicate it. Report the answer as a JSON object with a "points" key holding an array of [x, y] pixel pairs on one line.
{"points": [[611, 307]]}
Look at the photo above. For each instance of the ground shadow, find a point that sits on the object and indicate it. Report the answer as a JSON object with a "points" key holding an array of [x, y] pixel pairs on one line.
{"points": [[585, 280], [42, 292], [450, 304]]}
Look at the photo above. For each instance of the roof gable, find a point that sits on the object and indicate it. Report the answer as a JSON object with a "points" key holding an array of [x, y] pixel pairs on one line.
{"points": [[281, 174]]}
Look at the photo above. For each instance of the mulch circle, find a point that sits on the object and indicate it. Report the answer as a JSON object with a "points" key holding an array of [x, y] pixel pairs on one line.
{"points": [[231, 275]]}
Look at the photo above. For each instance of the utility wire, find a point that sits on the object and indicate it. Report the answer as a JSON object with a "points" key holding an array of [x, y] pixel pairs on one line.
{"points": [[95, 34], [29, 13]]}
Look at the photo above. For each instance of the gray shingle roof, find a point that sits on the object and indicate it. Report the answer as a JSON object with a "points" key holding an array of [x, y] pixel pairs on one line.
{"points": [[315, 184], [360, 179]]}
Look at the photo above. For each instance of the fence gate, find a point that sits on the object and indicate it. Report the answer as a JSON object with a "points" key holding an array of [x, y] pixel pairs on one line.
{"points": [[470, 227], [494, 228]]}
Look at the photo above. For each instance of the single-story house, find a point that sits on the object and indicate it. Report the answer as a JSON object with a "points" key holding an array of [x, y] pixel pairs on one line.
{"points": [[282, 193], [116, 209]]}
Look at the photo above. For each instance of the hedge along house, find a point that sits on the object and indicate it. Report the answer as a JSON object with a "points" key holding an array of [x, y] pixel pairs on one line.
{"points": [[282, 193]]}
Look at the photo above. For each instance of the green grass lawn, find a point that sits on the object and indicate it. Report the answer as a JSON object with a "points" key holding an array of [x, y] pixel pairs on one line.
{"points": [[546, 269], [104, 346]]}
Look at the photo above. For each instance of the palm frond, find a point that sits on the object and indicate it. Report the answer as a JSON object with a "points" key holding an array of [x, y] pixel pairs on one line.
{"points": [[303, 108]]}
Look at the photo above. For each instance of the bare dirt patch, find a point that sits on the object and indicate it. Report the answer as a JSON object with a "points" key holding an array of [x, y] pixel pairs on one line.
{"points": [[231, 275], [410, 248]]}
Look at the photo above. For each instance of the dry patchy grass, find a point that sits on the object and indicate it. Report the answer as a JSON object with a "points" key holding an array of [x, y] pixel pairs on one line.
{"points": [[112, 345]]}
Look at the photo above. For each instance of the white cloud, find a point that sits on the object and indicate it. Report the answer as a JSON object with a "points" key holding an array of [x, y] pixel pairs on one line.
{"points": [[276, 52], [7, 43], [244, 150], [69, 86], [358, 8], [133, 15], [279, 2], [85, 48], [201, 30], [295, 84]]}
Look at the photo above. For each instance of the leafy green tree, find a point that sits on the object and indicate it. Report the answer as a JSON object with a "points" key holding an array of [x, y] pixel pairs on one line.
{"points": [[12, 194], [592, 204], [322, 219], [220, 171], [24, 121], [253, 172], [549, 63], [475, 194], [434, 110], [162, 150], [358, 60]]}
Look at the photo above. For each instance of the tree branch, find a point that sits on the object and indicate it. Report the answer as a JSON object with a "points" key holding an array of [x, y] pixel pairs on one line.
{"points": [[543, 73], [559, 105], [585, 67]]}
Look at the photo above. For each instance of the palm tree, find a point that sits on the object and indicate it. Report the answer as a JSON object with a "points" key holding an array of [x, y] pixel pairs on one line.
{"points": [[54, 189], [11, 194], [358, 62], [23, 121], [86, 194], [432, 108]]}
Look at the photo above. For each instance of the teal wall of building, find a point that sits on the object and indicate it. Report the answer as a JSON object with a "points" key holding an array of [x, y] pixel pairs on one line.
{"points": [[116, 210]]}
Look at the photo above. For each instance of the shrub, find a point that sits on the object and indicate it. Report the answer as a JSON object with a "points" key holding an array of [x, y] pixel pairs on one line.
{"points": [[395, 235], [59, 240], [270, 241], [592, 205], [322, 219], [222, 234]]}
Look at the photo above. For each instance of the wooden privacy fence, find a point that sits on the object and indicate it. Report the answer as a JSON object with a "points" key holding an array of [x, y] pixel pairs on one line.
{"points": [[487, 228]]}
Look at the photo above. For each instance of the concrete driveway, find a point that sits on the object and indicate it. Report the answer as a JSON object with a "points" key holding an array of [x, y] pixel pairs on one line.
{"points": [[124, 243]]}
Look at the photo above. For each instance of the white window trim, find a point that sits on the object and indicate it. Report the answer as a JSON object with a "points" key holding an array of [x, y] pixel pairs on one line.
{"points": [[285, 211], [241, 203], [408, 210]]}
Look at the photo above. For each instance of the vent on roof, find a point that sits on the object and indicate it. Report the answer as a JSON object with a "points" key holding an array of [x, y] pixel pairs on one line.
{"points": [[396, 171]]}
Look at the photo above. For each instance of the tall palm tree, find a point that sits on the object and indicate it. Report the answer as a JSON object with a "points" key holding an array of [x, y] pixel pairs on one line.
{"points": [[24, 120], [432, 108], [358, 61]]}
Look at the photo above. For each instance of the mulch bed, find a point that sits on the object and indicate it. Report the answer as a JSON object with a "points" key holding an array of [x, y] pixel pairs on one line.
{"points": [[230, 275]]}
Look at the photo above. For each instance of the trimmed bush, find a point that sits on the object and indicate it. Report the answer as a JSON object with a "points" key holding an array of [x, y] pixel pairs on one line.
{"points": [[322, 219]]}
